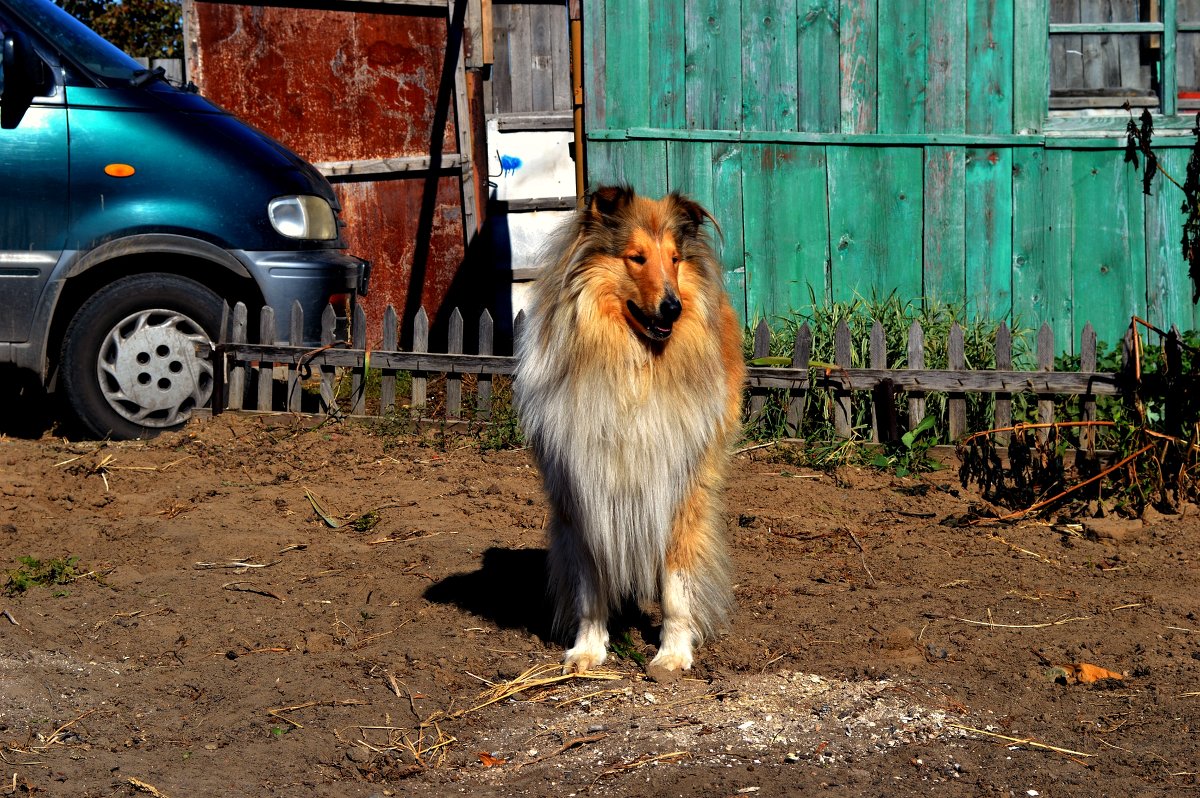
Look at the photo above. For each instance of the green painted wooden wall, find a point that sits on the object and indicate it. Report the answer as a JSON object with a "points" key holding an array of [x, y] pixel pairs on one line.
{"points": [[858, 147]]}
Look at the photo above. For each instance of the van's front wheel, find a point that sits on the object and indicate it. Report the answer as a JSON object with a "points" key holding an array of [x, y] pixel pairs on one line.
{"points": [[135, 360]]}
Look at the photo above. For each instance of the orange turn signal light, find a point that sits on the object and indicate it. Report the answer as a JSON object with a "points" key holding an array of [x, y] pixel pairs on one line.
{"points": [[118, 170]]}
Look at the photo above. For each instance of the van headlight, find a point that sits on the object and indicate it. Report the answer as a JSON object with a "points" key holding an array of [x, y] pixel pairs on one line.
{"points": [[302, 216]]}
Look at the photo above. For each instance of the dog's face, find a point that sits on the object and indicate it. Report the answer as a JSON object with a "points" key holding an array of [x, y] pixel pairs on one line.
{"points": [[647, 243]]}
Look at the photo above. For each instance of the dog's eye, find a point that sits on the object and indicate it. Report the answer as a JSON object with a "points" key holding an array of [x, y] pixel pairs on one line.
{"points": [[640, 260]]}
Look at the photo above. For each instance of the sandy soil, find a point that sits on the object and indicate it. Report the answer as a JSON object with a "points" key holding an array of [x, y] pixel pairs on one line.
{"points": [[227, 640]]}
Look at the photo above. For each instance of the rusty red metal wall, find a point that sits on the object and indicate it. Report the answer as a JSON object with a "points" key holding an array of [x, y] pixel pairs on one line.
{"points": [[338, 85]]}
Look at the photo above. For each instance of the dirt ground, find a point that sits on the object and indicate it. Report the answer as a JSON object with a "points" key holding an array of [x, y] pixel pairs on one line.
{"points": [[226, 640]]}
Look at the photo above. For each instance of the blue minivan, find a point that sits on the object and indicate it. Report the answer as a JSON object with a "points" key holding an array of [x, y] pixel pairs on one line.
{"points": [[131, 211]]}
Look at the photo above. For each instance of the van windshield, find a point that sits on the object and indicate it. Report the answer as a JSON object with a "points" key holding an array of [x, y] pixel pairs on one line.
{"points": [[77, 41]]}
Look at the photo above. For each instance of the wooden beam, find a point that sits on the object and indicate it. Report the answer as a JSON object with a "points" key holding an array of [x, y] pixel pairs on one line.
{"points": [[534, 204], [456, 17], [853, 379], [383, 167], [1078, 383], [540, 120]]}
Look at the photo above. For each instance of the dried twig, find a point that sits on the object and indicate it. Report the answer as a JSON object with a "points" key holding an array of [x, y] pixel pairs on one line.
{"points": [[1073, 488], [649, 759], [174, 463], [54, 738], [574, 742], [251, 589], [344, 702], [862, 553], [1059, 622], [745, 449], [235, 564], [537, 676], [391, 539], [134, 614], [1019, 550], [1019, 740], [566, 702], [142, 786]]}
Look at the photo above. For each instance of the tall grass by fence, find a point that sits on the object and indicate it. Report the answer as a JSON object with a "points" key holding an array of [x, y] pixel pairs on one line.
{"points": [[352, 377]]}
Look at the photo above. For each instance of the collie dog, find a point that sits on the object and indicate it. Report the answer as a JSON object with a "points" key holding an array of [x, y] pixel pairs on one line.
{"points": [[629, 390]]}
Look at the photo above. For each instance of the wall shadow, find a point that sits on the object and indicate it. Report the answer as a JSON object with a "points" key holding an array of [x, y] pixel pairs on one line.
{"points": [[483, 282]]}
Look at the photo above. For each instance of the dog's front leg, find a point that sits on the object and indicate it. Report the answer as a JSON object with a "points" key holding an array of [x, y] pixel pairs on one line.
{"points": [[591, 638], [694, 580], [678, 635]]}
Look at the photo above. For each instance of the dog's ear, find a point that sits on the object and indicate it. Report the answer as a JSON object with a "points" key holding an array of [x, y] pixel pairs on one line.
{"points": [[692, 214], [607, 201]]}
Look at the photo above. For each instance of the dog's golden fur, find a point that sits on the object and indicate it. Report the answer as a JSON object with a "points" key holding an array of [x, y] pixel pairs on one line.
{"points": [[629, 386]]}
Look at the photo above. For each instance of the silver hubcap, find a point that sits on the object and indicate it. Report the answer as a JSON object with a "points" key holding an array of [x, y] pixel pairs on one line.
{"points": [[150, 369]]}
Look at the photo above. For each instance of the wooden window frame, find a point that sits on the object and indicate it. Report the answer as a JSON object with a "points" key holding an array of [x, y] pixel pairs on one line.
{"points": [[1168, 113], [1166, 29]]}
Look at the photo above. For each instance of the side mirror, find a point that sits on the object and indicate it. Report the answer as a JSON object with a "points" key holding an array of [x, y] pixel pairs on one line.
{"points": [[23, 76]]}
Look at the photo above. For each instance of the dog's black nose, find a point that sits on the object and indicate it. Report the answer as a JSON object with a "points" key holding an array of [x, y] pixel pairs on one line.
{"points": [[670, 308]]}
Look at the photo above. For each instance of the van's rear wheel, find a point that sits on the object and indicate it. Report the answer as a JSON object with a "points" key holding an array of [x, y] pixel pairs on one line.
{"points": [[135, 360]]}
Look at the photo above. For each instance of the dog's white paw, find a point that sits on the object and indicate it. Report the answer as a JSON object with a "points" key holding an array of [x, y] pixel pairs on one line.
{"points": [[590, 649], [582, 658], [672, 660]]}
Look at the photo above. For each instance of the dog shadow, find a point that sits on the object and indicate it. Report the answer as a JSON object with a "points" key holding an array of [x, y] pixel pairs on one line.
{"points": [[510, 590]]}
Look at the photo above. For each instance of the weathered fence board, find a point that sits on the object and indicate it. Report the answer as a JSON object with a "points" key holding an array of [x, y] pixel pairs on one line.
{"points": [[801, 354], [241, 363], [1003, 411], [262, 372], [842, 418], [387, 379], [296, 336]]}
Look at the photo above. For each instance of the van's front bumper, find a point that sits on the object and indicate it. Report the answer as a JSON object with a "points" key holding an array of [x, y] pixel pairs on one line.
{"points": [[310, 277]]}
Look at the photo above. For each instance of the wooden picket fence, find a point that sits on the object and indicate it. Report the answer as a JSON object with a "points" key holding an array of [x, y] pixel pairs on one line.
{"points": [[247, 373]]}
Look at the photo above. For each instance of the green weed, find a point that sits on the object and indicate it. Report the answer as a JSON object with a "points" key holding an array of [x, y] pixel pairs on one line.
{"points": [[503, 429], [895, 316], [626, 648], [911, 454], [33, 572]]}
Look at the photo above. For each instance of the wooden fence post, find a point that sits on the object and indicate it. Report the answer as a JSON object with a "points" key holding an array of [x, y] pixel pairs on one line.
{"points": [[798, 398], [216, 356], [420, 344], [1087, 362], [358, 376], [883, 408], [956, 404], [264, 373], [762, 348], [1045, 360], [843, 423], [1130, 365], [296, 332], [916, 360], [1003, 417], [236, 387], [387, 379], [328, 320], [454, 346], [483, 390], [1173, 354]]}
